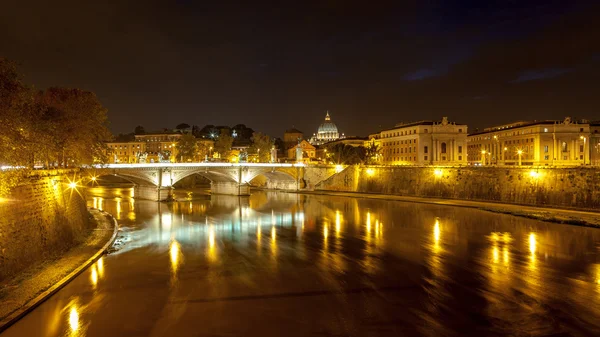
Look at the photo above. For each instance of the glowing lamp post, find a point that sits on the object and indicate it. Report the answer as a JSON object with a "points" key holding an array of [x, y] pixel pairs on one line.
{"points": [[520, 152], [483, 157]]}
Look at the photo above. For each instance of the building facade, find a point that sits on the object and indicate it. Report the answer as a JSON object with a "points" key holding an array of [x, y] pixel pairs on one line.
{"points": [[160, 146], [326, 132], [125, 152], [424, 143], [536, 143], [304, 150]]}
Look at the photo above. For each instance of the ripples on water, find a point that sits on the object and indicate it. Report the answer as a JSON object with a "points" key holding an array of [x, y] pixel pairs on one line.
{"points": [[279, 263]]}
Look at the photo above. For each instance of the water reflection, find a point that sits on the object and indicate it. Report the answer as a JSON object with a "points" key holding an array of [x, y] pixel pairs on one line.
{"points": [[176, 257], [73, 319], [452, 268]]}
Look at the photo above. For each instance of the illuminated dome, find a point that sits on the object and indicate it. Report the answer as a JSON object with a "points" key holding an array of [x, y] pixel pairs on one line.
{"points": [[326, 132], [327, 127]]}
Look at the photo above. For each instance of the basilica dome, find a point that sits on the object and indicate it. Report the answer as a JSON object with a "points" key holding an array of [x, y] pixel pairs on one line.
{"points": [[326, 132]]}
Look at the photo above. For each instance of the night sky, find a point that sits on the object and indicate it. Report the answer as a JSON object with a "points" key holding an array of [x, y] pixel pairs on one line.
{"points": [[370, 63]]}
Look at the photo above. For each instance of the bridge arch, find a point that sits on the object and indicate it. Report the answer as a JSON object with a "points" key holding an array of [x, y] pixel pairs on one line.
{"points": [[212, 175]]}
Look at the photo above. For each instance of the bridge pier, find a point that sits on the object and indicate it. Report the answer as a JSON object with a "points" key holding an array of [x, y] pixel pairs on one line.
{"points": [[290, 185], [153, 193], [230, 188]]}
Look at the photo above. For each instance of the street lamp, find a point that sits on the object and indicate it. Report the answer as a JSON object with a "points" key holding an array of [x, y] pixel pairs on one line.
{"points": [[519, 152], [584, 141], [504, 155], [483, 157]]}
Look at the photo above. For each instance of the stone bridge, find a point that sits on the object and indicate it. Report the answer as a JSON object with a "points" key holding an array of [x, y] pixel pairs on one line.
{"points": [[155, 181]]}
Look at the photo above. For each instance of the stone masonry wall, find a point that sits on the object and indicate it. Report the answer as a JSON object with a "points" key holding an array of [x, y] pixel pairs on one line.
{"points": [[42, 218], [564, 187]]}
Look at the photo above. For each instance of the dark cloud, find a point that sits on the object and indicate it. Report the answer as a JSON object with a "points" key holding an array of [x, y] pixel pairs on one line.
{"points": [[275, 65], [532, 75]]}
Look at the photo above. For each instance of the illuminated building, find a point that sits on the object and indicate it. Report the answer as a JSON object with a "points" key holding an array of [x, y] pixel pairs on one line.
{"points": [[326, 132], [125, 152], [160, 143], [424, 143], [308, 151], [537, 143], [146, 149]]}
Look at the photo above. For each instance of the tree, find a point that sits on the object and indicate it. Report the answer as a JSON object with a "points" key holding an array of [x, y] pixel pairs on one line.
{"points": [[196, 131], [371, 152], [139, 130], [25, 133], [244, 133], [79, 124], [128, 137], [209, 131], [187, 148], [182, 126], [261, 146], [223, 144], [346, 154]]}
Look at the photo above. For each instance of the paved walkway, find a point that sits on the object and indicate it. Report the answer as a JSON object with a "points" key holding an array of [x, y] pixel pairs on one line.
{"points": [[567, 216], [23, 288]]}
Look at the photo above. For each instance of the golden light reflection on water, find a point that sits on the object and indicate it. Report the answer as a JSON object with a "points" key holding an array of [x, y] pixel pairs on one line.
{"points": [[175, 256], [338, 224], [100, 264], [94, 276], [273, 241], [98, 202], [437, 233], [212, 247], [118, 200], [532, 243], [532, 249], [73, 319]]}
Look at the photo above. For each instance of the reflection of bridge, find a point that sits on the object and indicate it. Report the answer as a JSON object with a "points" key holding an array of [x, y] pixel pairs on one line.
{"points": [[155, 180]]}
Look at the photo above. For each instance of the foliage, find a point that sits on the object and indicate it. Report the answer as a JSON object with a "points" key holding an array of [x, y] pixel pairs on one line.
{"points": [[139, 130], [204, 150], [18, 114], [346, 154], [56, 126], [371, 152], [182, 126], [187, 148], [261, 145], [128, 137], [10, 179], [80, 125], [244, 133], [223, 144]]}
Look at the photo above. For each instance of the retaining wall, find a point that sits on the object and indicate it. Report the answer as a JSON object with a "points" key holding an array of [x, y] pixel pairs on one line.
{"points": [[564, 187], [42, 218]]}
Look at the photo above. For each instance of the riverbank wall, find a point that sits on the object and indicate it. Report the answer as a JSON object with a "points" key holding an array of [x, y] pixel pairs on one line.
{"points": [[562, 187], [41, 218]]}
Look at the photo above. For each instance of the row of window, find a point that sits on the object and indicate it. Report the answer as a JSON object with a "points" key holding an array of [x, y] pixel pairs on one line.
{"points": [[411, 158], [443, 149], [400, 142], [408, 132]]}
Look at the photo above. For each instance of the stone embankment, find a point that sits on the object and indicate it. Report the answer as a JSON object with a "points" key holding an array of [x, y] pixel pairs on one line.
{"points": [[42, 219], [551, 187]]}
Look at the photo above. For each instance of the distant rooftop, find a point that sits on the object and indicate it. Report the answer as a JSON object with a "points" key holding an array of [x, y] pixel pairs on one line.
{"points": [[293, 130]]}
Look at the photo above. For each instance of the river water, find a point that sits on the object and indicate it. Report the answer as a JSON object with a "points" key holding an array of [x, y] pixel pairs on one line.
{"points": [[284, 264]]}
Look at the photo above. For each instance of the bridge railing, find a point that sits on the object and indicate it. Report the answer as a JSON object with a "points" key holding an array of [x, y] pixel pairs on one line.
{"points": [[182, 165]]}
